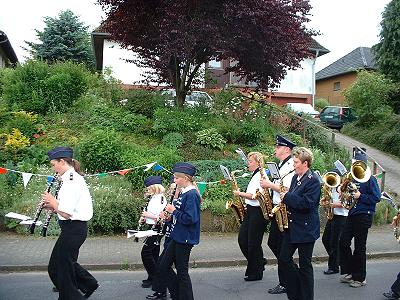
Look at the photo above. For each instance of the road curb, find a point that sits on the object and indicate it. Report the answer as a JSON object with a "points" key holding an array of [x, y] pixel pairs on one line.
{"points": [[193, 264]]}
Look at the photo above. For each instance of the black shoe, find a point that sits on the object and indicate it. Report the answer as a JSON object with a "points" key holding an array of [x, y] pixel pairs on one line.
{"points": [[144, 280], [264, 263], [277, 290], [157, 295], [147, 284], [90, 292], [253, 278], [55, 290], [330, 272], [391, 295]]}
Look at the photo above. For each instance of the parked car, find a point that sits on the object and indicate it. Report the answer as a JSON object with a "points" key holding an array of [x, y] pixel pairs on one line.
{"points": [[303, 108], [336, 116], [194, 98]]}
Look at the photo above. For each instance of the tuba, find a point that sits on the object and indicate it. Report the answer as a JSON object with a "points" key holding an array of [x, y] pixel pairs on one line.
{"points": [[331, 180], [264, 199], [359, 172], [237, 204]]}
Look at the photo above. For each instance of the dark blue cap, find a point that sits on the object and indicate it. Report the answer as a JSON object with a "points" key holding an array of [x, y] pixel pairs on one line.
{"points": [[360, 156], [282, 141], [60, 152], [152, 180], [184, 168]]}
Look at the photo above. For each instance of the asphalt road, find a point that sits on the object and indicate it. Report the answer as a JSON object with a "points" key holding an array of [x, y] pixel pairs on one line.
{"points": [[218, 283]]}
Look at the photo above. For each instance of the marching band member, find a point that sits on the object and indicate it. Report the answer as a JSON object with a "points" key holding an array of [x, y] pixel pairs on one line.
{"points": [[283, 152], [359, 220], [394, 292], [254, 224], [302, 201], [74, 208], [151, 246], [184, 234], [333, 230]]}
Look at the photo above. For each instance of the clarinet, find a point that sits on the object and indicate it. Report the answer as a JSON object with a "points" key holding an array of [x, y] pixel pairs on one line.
{"points": [[50, 213], [160, 226], [40, 206]]}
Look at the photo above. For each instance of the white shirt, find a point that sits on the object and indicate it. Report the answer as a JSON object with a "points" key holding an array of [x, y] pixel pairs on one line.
{"points": [[286, 172], [74, 197], [252, 187], [341, 211], [156, 206]]}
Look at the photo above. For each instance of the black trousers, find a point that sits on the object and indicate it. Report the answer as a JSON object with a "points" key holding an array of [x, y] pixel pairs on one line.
{"points": [[298, 280], [275, 238], [330, 239], [179, 283], [250, 240], [150, 253], [64, 270], [355, 263], [396, 285]]}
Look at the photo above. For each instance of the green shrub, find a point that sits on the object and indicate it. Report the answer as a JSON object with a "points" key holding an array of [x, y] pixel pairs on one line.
{"points": [[210, 138], [215, 197], [168, 120], [26, 122], [320, 103], [136, 123], [223, 98], [115, 208], [101, 151], [250, 134], [38, 87], [173, 140], [384, 213], [144, 102], [191, 151]]}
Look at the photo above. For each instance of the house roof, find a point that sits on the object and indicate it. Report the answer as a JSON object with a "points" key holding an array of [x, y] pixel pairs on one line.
{"points": [[7, 49], [317, 49], [359, 58]]}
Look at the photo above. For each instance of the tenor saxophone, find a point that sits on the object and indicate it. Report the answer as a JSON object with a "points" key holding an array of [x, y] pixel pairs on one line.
{"points": [[280, 211], [264, 199], [396, 225], [237, 203]]}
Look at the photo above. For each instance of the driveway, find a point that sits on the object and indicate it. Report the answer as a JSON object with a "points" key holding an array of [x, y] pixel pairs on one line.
{"points": [[390, 163]]}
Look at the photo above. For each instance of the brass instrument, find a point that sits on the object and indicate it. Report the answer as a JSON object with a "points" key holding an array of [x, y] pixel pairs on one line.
{"points": [[280, 210], [264, 199], [237, 204], [359, 172], [396, 226], [331, 180]]}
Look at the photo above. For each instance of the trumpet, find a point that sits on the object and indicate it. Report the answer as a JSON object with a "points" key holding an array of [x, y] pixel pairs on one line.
{"points": [[359, 172], [331, 180]]}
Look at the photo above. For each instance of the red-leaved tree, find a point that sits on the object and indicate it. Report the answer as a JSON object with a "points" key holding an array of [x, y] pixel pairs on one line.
{"points": [[175, 38]]}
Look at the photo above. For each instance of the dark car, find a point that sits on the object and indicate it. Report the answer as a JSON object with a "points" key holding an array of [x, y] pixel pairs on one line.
{"points": [[336, 116]]}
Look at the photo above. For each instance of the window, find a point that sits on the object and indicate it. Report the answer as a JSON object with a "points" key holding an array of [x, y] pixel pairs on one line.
{"points": [[336, 86], [215, 64]]}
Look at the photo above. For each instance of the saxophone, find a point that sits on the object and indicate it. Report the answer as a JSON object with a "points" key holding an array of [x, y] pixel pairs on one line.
{"points": [[396, 226], [280, 210], [237, 203], [264, 199]]}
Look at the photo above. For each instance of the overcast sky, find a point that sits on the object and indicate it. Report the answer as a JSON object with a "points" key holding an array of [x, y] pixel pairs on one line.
{"points": [[344, 24]]}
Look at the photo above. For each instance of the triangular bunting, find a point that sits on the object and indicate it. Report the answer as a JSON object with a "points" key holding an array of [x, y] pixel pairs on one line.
{"points": [[25, 178], [102, 175], [202, 187], [149, 166], [49, 179], [123, 172], [3, 171], [157, 167]]}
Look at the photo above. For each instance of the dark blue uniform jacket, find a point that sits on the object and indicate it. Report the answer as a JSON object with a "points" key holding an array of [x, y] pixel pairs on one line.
{"points": [[370, 195], [185, 227], [302, 202]]}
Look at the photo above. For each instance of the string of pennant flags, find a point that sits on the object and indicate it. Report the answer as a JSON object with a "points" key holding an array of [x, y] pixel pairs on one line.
{"points": [[26, 176]]}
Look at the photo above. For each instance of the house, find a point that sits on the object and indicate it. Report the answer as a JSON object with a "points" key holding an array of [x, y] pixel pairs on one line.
{"points": [[335, 78], [297, 86], [8, 58]]}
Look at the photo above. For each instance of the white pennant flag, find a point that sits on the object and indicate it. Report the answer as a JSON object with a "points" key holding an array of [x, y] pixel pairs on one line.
{"points": [[26, 177], [149, 166]]}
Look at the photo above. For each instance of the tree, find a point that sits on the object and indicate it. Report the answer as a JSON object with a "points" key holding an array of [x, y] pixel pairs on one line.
{"points": [[174, 38], [369, 96], [63, 38], [387, 51]]}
